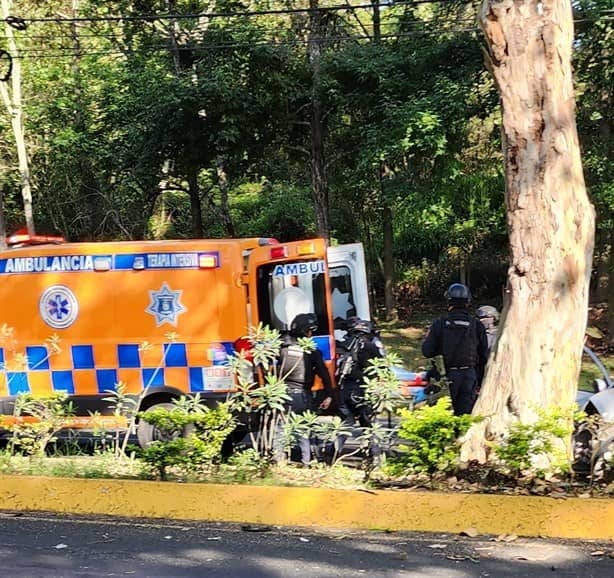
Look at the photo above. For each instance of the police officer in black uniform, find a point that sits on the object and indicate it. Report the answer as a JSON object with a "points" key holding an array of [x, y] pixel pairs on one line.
{"points": [[299, 369], [360, 348], [461, 339]]}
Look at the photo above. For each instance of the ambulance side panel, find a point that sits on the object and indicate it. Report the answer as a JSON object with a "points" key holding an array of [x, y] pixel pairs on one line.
{"points": [[154, 318]]}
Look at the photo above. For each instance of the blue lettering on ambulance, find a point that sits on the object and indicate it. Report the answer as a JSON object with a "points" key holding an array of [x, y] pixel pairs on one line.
{"points": [[305, 268]]}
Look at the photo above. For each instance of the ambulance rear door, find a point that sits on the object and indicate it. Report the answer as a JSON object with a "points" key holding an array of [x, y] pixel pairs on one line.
{"points": [[288, 279], [348, 281]]}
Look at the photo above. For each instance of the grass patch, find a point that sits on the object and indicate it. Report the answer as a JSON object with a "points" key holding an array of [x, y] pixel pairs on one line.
{"points": [[110, 467]]}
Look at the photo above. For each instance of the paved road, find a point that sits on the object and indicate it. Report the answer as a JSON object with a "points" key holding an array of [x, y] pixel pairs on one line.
{"points": [[46, 546]]}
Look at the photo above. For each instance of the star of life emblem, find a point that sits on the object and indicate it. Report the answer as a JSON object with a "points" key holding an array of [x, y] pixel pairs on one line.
{"points": [[58, 307], [165, 305]]}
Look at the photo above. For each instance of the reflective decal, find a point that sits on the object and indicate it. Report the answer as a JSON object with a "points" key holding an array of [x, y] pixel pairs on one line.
{"points": [[58, 307], [165, 305]]}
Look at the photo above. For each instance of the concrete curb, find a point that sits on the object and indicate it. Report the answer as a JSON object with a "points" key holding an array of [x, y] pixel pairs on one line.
{"points": [[385, 510]]}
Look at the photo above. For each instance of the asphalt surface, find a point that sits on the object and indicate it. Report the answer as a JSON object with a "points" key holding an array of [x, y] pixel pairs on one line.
{"points": [[49, 546]]}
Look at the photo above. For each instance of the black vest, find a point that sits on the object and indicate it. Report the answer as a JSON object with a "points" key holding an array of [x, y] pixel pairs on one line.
{"points": [[460, 341]]}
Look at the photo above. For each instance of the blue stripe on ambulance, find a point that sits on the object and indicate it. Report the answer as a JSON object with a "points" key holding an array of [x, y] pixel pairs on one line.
{"points": [[40, 362], [119, 262], [323, 343]]}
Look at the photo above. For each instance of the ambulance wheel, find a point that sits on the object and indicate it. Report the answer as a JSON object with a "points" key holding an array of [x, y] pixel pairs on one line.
{"points": [[147, 433]]}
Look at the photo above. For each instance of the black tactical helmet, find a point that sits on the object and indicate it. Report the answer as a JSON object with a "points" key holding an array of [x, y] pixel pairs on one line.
{"points": [[358, 325], [458, 294], [303, 323], [487, 311]]}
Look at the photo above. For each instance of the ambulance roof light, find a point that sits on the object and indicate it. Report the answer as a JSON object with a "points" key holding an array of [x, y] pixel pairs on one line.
{"points": [[208, 260], [279, 251], [22, 238], [306, 248], [264, 241]]}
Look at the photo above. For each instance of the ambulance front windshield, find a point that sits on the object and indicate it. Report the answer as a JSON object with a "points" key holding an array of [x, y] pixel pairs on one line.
{"points": [[286, 290]]}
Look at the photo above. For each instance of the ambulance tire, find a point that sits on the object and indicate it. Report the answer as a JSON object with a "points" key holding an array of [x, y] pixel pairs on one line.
{"points": [[147, 433]]}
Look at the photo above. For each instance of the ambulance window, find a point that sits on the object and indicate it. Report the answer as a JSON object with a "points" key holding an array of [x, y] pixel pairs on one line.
{"points": [[281, 297], [342, 293]]}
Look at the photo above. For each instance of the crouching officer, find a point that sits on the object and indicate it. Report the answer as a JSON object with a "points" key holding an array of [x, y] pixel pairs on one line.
{"points": [[461, 339], [299, 369], [359, 349]]}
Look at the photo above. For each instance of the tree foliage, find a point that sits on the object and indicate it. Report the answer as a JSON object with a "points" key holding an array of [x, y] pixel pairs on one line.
{"points": [[196, 124]]}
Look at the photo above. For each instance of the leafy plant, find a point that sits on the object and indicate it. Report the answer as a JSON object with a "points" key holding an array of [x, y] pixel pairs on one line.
{"points": [[247, 465], [36, 421], [261, 397], [382, 387], [123, 407], [192, 436], [429, 439], [524, 448]]}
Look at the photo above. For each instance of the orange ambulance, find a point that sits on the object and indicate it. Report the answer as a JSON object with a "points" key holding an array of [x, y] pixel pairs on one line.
{"points": [[158, 316]]}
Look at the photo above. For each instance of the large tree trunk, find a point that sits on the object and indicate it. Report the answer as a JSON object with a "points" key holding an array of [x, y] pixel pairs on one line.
{"points": [[536, 360], [319, 181]]}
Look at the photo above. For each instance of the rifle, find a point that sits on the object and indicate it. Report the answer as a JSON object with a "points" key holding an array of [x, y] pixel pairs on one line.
{"points": [[346, 363]]}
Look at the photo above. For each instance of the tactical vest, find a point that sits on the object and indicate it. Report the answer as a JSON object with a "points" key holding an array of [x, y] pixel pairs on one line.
{"points": [[460, 342], [293, 364]]}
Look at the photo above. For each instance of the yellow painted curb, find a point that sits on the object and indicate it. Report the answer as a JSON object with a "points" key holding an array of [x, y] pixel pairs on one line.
{"points": [[391, 510]]}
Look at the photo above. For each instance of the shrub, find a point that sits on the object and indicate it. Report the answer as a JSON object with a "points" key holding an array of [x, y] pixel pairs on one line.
{"points": [[191, 436], [36, 421], [525, 447], [430, 439]]}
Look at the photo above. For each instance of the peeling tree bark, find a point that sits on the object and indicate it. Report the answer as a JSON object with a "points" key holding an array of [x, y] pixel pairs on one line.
{"points": [[536, 360], [12, 101]]}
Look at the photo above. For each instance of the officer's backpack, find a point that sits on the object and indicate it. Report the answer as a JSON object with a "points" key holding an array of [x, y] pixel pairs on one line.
{"points": [[460, 342]]}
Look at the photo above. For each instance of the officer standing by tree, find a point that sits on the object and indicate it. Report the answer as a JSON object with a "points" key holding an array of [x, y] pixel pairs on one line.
{"points": [[299, 368], [488, 316], [461, 339]]}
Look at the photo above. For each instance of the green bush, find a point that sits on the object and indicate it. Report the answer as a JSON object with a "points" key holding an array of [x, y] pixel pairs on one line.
{"points": [[191, 437], [37, 421], [526, 445], [429, 439]]}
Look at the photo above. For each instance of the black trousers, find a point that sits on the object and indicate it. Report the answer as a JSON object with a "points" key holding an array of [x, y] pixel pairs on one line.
{"points": [[463, 389], [352, 406]]}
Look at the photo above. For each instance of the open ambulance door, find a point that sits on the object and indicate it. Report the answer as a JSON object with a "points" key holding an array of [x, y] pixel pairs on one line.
{"points": [[348, 280], [288, 279]]}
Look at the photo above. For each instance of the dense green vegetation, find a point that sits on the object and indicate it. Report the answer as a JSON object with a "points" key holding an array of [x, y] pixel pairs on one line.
{"points": [[202, 124]]}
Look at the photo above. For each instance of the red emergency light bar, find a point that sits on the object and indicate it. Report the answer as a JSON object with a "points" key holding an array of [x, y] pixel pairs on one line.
{"points": [[25, 239], [279, 251]]}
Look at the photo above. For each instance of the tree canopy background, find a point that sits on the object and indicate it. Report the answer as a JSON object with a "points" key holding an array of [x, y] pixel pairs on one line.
{"points": [[178, 118]]}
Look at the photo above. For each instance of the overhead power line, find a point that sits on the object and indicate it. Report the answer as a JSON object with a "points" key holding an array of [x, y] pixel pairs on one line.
{"points": [[246, 13], [416, 28], [71, 53]]}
